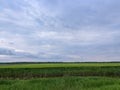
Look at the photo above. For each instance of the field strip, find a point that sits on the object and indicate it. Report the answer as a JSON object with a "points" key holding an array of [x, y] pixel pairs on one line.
{"points": [[59, 65]]}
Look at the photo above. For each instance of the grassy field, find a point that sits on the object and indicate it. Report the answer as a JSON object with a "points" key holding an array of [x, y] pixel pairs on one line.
{"points": [[48, 65], [68, 83], [25, 71], [60, 76]]}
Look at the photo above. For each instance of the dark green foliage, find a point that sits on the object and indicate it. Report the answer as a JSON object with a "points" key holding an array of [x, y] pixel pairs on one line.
{"points": [[68, 83], [24, 73], [40, 77]]}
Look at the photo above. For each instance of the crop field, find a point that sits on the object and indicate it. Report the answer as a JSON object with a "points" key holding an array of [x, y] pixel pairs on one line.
{"points": [[68, 83], [45, 65], [60, 76]]}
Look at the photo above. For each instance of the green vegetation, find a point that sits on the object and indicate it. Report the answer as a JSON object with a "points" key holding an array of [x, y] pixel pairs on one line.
{"points": [[48, 65], [60, 76], [68, 83], [25, 71]]}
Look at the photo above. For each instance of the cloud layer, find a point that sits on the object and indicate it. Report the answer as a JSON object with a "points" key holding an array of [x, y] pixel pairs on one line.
{"points": [[59, 30]]}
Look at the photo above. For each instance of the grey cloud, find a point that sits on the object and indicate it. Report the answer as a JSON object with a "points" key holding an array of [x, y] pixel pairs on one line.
{"points": [[22, 54], [13, 53], [4, 51], [60, 29]]}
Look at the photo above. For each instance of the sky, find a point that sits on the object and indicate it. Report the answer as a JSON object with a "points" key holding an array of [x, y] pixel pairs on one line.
{"points": [[59, 30]]}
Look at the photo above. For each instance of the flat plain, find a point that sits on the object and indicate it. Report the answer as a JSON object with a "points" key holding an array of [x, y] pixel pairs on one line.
{"points": [[60, 76]]}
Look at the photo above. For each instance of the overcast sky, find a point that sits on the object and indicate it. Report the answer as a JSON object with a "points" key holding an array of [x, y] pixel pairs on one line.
{"points": [[59, 30]]}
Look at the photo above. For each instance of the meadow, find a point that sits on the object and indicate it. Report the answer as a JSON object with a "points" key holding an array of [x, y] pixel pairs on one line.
{"points": [[60, 76], [45, 65], [68, 83]]}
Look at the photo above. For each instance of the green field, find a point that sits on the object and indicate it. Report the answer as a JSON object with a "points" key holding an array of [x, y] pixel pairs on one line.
{"points": [[45, 65], [68, 83], [60, 76]]}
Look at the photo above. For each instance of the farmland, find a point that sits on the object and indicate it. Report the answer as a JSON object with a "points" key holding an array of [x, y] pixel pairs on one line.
{"points": [[45, 65], [68, 83], [60, 76]]}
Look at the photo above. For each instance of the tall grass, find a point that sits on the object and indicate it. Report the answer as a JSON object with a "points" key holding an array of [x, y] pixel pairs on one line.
{"points": [[32, 76], [111, 71], [69, 83]]}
